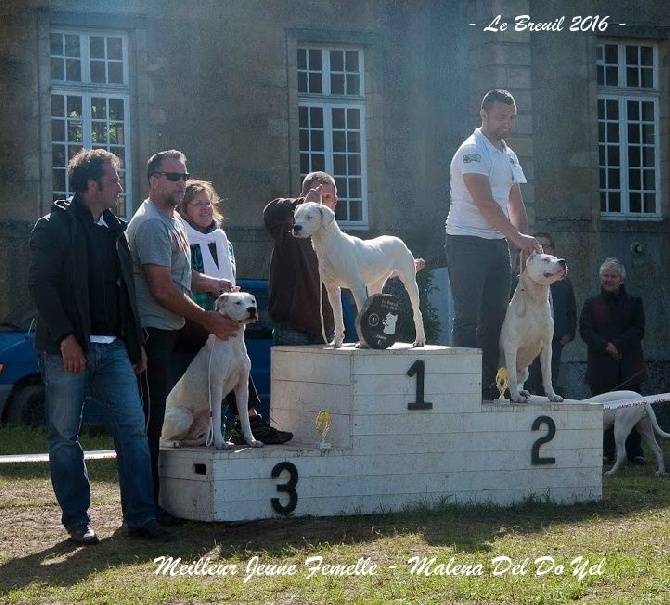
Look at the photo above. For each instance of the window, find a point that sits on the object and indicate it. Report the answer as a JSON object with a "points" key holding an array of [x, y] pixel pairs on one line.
{"points": [[89, 103], [331, 117], [628, 130]]}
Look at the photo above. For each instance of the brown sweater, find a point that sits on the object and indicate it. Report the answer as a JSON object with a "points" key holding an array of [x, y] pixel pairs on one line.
{"points": [[296, 298]]}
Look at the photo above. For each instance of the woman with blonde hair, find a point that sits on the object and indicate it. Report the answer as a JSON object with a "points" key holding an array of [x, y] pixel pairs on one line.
{"points": [[211, 251], [212, 254]]}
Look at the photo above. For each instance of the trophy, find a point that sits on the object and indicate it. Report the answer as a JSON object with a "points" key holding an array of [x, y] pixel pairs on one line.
{"points": [[324, 423], [502, 382]]}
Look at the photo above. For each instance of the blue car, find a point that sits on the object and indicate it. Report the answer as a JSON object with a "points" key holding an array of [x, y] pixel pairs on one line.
{"points": [[22, 391], [20, 382]]}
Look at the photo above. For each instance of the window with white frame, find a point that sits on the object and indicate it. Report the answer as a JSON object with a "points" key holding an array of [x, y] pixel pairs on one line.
{"points": [[628, 130], [331, 116], [90, 100]]}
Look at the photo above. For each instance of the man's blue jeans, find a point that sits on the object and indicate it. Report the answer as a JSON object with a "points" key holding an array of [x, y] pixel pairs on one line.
{"points": [[109, 378], [480, 277]]}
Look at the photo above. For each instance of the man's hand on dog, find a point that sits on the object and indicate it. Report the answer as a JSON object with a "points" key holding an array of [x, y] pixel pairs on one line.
{"points": [[314, 195], [324, 193], [221, 286], [527, 244], [222, 327]]}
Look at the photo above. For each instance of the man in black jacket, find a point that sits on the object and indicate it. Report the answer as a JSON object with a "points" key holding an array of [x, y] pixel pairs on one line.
{"points": [[90, 344]]}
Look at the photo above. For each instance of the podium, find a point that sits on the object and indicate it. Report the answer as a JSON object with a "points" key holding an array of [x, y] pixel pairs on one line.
{"points": [[409, 429]]}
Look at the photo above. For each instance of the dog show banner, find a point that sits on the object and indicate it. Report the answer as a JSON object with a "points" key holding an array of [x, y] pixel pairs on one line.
{"points": [[635, 401]]}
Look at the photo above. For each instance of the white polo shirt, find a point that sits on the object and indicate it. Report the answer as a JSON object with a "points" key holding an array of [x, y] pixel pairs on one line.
{"points": [[477, 155]]}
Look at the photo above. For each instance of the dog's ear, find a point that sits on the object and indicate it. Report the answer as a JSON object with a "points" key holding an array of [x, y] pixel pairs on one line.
{"points": [[219, 302], [327, 214]]}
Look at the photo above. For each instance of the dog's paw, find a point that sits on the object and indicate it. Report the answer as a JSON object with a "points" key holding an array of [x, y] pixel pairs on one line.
{"points": [[661, 474], [419, 343], [611, 472], [170, 444], [519, 398], [555, 398], [224, 445], [254, 443]]}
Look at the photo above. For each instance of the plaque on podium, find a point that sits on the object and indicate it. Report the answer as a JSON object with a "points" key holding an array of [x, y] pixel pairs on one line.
{"points": [[376, 321]]}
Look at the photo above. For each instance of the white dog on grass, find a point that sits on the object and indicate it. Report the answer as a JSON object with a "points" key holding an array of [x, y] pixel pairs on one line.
{"points": [[624, 417], [193, 407], [363, 266]]}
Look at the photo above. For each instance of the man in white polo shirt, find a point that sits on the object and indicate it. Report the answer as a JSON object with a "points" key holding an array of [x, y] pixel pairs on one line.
{"points": [[486, 212]]}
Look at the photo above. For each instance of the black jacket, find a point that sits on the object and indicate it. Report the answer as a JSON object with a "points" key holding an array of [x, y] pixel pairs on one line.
{"points": [[58, 279], [565, 309], [619, 319], [296, 297]]}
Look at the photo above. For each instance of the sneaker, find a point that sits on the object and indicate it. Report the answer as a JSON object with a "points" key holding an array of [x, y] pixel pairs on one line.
{"points": [[262, 431], [83, 534], [152, 530]]}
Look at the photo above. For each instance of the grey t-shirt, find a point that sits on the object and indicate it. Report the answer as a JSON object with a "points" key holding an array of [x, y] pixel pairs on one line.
{"points": [[157, 239]]}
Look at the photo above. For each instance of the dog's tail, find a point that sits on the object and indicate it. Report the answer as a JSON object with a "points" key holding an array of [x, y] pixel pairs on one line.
{"points": [[652, 416]]}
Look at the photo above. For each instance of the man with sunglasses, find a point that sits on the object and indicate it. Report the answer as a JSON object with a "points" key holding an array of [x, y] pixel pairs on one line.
{"points": [[165, 280]]}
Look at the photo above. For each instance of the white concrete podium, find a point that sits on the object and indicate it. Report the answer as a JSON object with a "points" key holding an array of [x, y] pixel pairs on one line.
{"points": [[409, 428]]}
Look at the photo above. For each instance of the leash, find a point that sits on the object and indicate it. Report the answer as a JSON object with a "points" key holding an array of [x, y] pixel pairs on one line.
{"points": [[522, 261], [629, 403], [323, 323], [209, 439], [144, 386], [627, 381]]}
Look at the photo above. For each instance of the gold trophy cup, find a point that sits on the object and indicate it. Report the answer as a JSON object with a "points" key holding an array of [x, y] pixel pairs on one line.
{"points": [[502, 382], [324, 423]]}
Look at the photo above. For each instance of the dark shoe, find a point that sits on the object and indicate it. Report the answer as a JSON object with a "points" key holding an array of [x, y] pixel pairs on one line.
{"points": [[83, 534], [262, 431], [167, 519], [152, 530], [638, 460]]}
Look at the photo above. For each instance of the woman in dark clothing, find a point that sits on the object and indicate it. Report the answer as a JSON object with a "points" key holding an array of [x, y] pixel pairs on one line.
{"points": [[612, 326]]}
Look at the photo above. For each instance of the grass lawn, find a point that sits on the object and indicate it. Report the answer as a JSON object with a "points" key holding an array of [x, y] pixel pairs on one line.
{"points": [[613, 551]]}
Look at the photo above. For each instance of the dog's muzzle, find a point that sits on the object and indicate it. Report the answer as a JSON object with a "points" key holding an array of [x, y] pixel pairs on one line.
{"points": [[563, 269]]}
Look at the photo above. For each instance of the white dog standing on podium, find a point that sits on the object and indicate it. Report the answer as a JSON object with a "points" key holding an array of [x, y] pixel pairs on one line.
{"points": [[193, 407], [363, 266]]}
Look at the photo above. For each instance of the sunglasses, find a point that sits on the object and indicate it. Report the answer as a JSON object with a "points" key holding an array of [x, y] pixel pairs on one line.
{"points": [[174, 176]]}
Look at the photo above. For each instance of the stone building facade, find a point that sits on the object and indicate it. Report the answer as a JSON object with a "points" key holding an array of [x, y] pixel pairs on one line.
{"points": [[380, 92]]}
